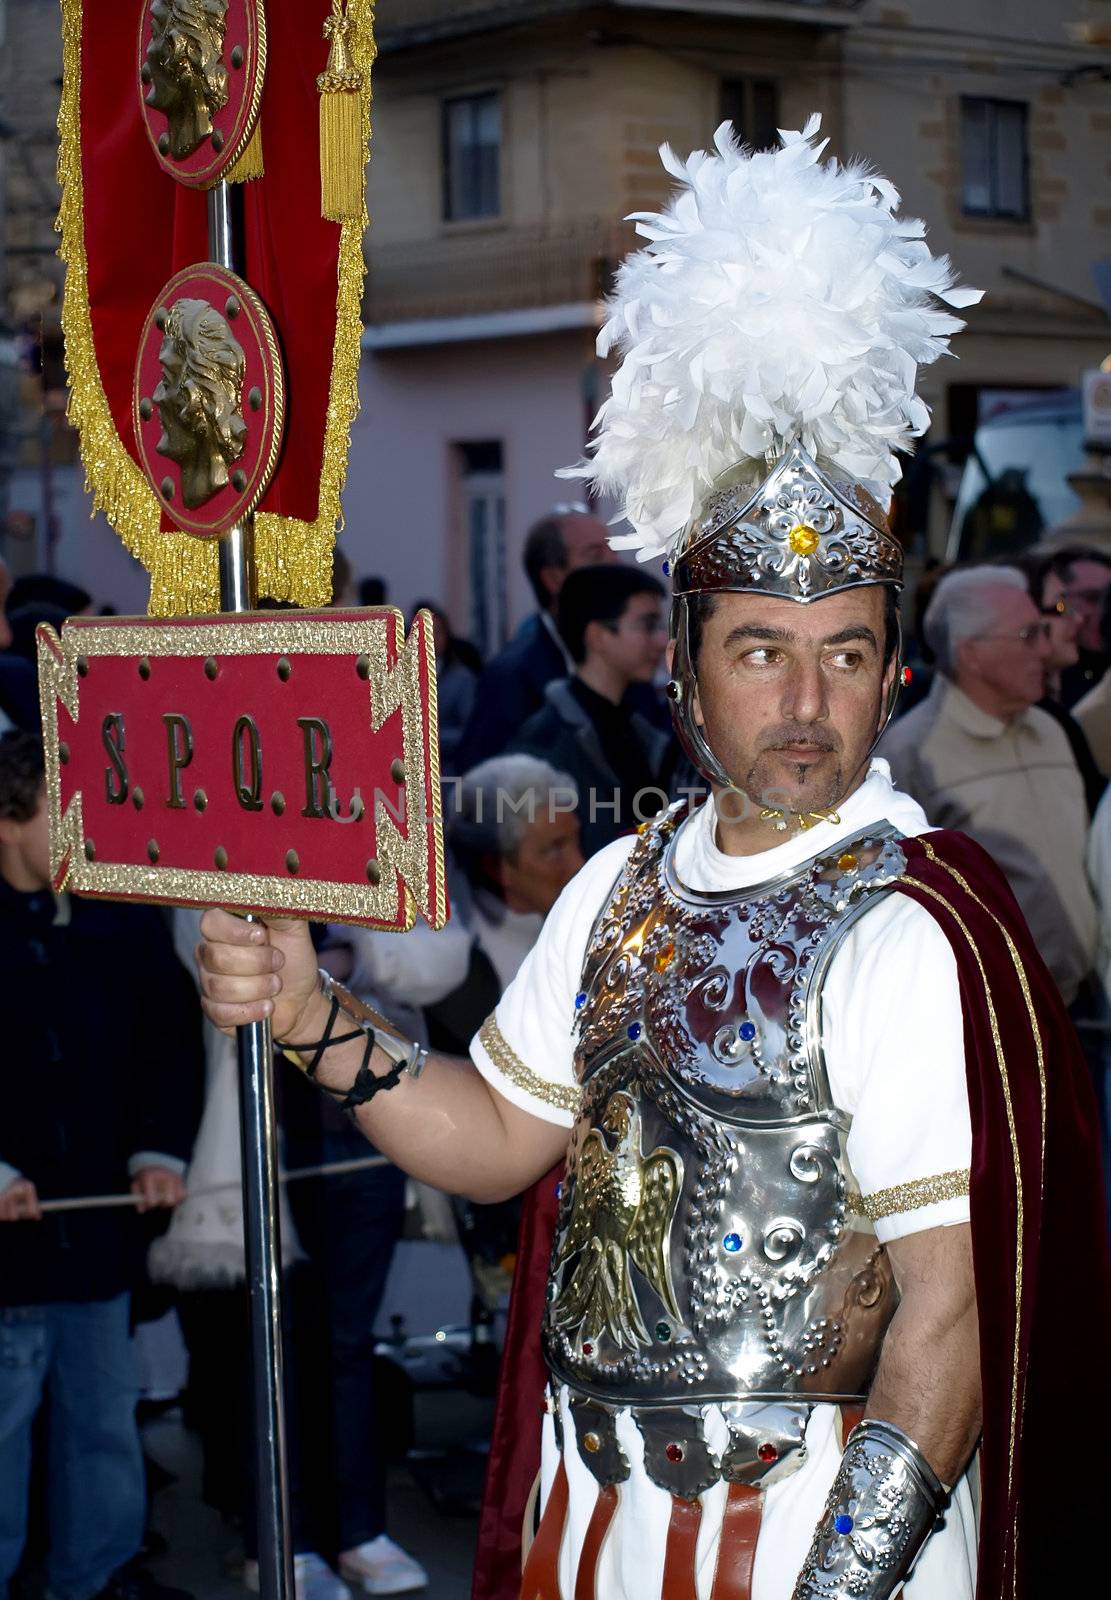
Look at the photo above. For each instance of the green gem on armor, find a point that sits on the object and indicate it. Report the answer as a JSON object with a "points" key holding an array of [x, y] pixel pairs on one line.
{"points": [[663, 1332]]}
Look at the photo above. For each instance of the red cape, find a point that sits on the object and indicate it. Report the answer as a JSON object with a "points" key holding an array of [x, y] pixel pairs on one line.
{"points": [[1043, 1278]]}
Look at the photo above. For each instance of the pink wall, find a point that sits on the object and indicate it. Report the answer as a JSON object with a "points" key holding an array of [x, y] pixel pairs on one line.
{"points": [[401, 518]]}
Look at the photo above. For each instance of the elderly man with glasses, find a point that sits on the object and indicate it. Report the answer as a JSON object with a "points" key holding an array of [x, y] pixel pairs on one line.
{"points": [[979, 755]]}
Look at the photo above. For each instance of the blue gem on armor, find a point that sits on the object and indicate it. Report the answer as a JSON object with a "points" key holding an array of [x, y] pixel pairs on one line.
{"points": [[667, 569], [732, 1242], [580, 1000], [747, 1031], [843, 1523], [559, 1191], [634, 1030]]}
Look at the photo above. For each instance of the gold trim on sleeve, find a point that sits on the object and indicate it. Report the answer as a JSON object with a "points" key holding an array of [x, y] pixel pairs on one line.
{"points": [[564, 1097], [921, 1192]]}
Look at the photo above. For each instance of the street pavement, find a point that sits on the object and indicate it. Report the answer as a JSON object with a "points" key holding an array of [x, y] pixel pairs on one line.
{"points": [[433, 1510]]}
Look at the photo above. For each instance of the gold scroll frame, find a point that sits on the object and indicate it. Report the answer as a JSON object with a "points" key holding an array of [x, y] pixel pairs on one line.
{"points": [[293, 557], [411, 864]]}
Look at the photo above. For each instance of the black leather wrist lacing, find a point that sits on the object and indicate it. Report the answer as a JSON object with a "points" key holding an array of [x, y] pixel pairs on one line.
{"points": [[366, 1085]]}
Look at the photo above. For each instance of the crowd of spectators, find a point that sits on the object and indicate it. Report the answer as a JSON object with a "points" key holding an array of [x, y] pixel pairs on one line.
{"points": [[550, 749]]}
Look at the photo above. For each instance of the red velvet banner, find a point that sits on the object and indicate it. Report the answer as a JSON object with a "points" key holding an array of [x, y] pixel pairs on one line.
{"points": [[127, 226], [141, 227]]}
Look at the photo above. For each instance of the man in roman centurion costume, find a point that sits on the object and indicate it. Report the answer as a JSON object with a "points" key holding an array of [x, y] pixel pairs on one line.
{"points": [[828, 1262]]}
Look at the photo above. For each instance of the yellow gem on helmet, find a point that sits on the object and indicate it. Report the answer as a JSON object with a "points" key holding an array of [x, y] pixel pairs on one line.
{"points": [[802, 539], [847, 861], [665, 956], [592, 1443]]}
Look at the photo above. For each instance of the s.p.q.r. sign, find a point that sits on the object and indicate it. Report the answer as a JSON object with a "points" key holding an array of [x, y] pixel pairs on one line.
{"points": [[275, 763]]}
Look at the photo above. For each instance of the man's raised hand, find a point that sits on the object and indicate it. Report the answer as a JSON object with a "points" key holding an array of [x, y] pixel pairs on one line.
{"points": [[253, 970]]}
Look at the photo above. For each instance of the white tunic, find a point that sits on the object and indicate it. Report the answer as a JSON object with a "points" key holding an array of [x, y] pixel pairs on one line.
{"points": [[894, 1046]]}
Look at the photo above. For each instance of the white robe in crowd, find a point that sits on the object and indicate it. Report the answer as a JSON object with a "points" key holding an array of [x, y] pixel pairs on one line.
{"points": [[894, 1044]]}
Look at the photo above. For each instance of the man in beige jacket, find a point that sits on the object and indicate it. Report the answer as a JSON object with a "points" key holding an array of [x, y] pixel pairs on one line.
{"points": [[978, 755]]}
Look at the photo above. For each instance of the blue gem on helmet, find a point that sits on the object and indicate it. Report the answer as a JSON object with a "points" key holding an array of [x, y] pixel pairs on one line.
{"points": [[732, 1242], [843, 1523], [580, 1000], [634, 1030], [667, 569], [747, 1031]]}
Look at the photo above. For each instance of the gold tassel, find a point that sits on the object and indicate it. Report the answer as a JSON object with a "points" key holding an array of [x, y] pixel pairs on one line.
{"points": [[249, 164], [342, 144]]}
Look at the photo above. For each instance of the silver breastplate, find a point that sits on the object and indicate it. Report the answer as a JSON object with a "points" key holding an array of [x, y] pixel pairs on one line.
{"points": [[711, 1243]]}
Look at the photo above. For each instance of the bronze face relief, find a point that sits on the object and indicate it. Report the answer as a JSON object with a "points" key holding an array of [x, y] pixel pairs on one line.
{"points": [[188, 79], [199, 398]]}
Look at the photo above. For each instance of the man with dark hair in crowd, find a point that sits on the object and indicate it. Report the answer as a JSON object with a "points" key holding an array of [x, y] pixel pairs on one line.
{"points": [[18, 689], [84, 1114], [1092, 712], [513, 683], [1080, 576], [611, 620], [1046, 579], [45, 588]]}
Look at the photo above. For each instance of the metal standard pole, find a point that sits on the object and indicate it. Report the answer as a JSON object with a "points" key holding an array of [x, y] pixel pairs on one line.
{"points": [[257, 1119]]}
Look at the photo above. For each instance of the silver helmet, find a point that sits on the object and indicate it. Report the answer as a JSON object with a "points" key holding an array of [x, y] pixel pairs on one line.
{"points": [[801, 531], [770, 332]]}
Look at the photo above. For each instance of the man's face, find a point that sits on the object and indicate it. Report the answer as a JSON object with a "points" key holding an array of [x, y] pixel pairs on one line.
{"points": [[1087, 581], [634, 645], [1008, 659], [1060, 624], [584, 539], [545, 861], [36, 841], [5, 625], [790, 695], [30, 840]]}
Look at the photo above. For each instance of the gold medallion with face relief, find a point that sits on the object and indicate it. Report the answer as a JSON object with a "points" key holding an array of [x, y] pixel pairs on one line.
{"points": [[185, 69], [198, 398]]}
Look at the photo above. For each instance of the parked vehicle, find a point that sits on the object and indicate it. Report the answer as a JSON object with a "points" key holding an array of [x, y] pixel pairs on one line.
{"points": [[1015, 481]]}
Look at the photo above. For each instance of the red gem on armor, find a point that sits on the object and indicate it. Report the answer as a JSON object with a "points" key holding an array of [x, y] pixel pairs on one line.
{"points": [[674, 1454], [768, 1453], [588, 1349]]}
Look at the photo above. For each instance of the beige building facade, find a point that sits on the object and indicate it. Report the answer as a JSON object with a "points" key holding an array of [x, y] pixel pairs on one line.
{"points": [[511, 140]]}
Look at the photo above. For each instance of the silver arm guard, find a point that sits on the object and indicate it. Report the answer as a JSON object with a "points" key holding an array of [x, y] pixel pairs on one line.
{"points": [[883, 1504]]}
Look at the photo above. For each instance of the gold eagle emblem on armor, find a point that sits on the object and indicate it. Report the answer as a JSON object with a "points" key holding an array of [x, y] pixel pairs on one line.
{"points": [[622, 1210]]}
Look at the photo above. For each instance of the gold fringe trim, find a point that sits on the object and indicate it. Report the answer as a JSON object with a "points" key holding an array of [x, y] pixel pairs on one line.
{"points": [[922, 1192], [293, 557], [250, 164], [507, 1061], [342, 141]]}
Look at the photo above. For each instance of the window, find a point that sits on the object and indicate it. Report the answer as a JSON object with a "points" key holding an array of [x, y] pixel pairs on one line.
{"points": [[994, 181], [472, 157], [483, 485], [752, 106]]}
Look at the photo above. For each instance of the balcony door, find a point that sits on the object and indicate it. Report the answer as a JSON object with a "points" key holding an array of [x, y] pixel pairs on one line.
{"points": [[483, 494]]}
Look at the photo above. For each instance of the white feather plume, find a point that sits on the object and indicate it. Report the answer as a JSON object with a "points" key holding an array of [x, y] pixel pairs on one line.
{"points": [[778, 296]]}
